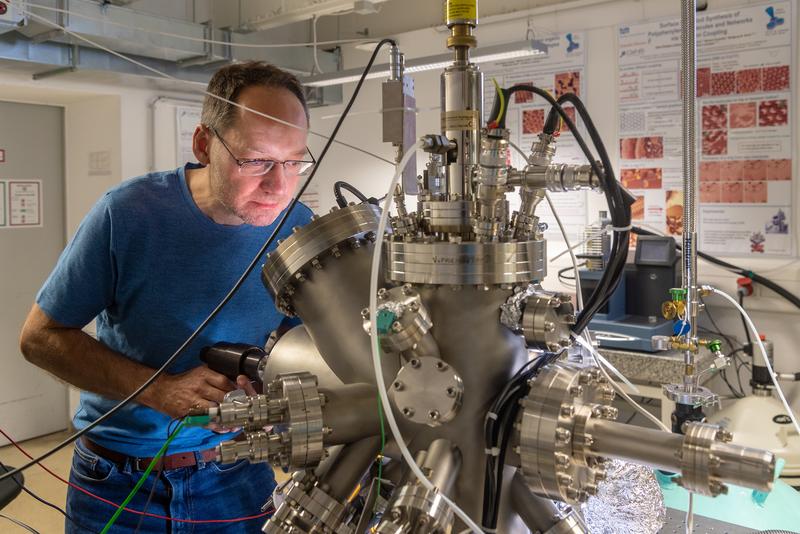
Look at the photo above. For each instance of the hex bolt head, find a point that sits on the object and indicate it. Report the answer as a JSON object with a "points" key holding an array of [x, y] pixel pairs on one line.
{"points": [[382, 293], [599, 475], [564, 479], [407, 289], [414, 306], [576, 391], [724, 435], [563, 434], [396, 326], [549, 326], [370, 236], [567, 410], [365, 313], [300, 277], [588, 440], [562, 459], [590, 489]]}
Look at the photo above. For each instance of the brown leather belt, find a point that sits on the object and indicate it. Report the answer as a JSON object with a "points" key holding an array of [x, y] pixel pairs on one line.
{"points": [[165, 463]]}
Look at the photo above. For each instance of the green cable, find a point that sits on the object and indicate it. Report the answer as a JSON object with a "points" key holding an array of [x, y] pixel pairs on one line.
{"points": [[383, 445], [144, 476]]}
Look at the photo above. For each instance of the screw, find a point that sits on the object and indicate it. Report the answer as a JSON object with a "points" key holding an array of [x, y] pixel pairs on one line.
{"points": [[562, 459], [398, 386], [440, 365], [590, 489], [414, 306], [588, 440], [336, 252], [451, 391], [300, 277], [563, 434], [316, 264], [433, 415], [564, 479], [567, 410], [414, 363], [576, 391], [549, 326], [724, 436], [407, 289], [396, 326], [382, 293], [408, 412], [370, 236], [365, 313]]}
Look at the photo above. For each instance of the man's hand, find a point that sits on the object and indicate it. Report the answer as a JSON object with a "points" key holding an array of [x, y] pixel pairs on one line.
{"points": [[200, 387]]}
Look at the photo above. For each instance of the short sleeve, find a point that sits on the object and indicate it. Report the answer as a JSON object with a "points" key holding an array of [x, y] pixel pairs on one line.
{"points": [[84, 279]]}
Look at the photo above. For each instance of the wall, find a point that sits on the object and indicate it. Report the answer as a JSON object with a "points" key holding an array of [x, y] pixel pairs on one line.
{"points": [[97, 117], [599, 19]]}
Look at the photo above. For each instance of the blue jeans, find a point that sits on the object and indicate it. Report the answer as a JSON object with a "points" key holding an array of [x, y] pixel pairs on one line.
{"points": [[204, 491]]}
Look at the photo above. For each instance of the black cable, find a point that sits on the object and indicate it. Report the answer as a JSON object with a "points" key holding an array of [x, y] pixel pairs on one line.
{"points": [[43, 501], [20, 524], [127, 400], [337, 193], [757, 278], [740, 292]]}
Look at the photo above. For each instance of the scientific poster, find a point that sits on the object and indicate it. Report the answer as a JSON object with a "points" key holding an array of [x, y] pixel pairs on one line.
{"points": [[562, 70], [744, 127]]}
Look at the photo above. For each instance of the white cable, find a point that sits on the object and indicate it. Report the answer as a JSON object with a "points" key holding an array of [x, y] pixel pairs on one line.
{"points": [[690, 514], [585, 340], [314, 20], [757, 337], [376, 357], [172, 78], [186, 37]]}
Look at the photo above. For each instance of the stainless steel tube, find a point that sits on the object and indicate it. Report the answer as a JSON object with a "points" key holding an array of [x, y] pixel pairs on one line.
{"points": [[341, 479], [540, 514], [636, 444], [442, 464], [688, 85], [462, 112], [350, 413]]}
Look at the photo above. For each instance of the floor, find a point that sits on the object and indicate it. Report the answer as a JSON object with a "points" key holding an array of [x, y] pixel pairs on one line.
{"points": [[24, 508]]}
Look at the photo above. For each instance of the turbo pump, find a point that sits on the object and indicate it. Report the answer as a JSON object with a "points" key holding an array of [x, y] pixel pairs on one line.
{"points": [[501, 419]]}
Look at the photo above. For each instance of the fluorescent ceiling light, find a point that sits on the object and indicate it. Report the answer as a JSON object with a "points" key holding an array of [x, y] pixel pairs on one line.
{"points": [[439, 61]]}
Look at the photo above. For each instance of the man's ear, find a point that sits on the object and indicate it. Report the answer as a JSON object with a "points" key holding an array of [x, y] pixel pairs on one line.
{"points": [[200, 144]]}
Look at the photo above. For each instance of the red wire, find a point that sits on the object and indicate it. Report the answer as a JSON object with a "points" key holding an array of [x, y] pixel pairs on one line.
{"points": [[148, 514]]}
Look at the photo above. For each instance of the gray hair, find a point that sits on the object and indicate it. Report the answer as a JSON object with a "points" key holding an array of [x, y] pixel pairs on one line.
{"points": [[229, 81]]}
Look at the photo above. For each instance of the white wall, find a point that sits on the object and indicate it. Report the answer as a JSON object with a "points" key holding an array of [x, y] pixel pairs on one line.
{"points": [[96, 118], [775, 317]]}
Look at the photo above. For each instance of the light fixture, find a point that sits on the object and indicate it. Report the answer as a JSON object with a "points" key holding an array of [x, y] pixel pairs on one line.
{"points": [[438, 61]]}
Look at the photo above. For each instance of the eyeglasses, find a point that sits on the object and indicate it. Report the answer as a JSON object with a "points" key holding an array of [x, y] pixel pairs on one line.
{"points": [[259, 167]]}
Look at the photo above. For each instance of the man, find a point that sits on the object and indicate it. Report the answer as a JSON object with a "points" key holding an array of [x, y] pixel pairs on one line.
{"points": [[150, 261]]}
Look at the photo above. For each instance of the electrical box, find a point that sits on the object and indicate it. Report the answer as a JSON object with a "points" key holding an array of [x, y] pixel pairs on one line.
{"points": [[11, 16]]}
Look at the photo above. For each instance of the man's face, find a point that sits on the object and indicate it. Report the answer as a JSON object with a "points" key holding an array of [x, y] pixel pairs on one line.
{"points": [[258, 200]]}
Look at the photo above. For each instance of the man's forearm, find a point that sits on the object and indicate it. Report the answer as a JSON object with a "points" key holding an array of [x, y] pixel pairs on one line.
{"points": [[76, 357]]}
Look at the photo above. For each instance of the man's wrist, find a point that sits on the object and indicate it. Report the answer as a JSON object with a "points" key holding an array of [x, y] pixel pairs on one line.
{"points": [[153, 395]]}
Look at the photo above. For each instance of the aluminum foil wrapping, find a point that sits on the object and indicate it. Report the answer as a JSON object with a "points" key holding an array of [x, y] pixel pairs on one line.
{"points": [[629, 501], [511, 311]]}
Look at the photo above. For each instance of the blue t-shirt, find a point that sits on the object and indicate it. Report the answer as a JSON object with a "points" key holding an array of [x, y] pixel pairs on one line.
{"points": [[150, 266]]}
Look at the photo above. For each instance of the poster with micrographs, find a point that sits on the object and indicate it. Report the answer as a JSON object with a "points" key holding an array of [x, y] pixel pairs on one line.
{"points": [[745, 127], [561, 70]]}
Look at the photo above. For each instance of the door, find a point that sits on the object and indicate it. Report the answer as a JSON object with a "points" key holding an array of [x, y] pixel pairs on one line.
{"points": [[32, 235]]}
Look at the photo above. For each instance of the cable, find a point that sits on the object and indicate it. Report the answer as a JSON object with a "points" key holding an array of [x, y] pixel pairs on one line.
{"points": [[141, 480], [20, 524], [757, 278], [757, 337], [42, 500], [188, 82], [740, 292], [314, 20], [690, 514], [337, 193], [115, 505], [376, 359], [235, 287], [107, 22]]}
